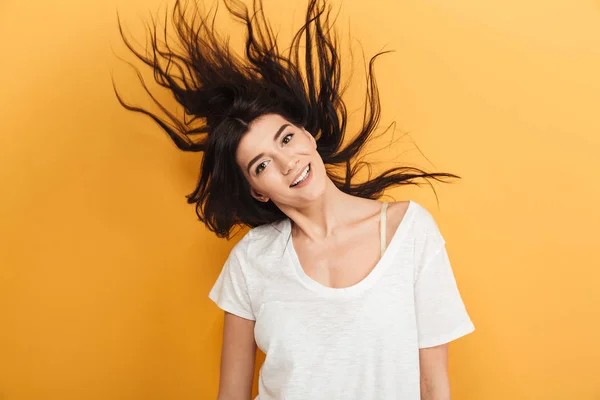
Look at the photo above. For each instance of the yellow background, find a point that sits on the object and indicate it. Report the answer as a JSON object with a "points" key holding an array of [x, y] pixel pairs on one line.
{"points": [[105, 271]]}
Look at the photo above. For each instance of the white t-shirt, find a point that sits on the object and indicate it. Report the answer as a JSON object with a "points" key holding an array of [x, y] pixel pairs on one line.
{"points": [[355, 343]]}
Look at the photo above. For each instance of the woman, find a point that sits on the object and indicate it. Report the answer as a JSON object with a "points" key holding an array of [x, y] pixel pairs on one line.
{"points": [[349, 297]]}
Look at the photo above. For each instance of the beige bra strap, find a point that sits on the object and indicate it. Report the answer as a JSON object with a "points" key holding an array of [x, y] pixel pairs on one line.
{"points": [[382, 227]]}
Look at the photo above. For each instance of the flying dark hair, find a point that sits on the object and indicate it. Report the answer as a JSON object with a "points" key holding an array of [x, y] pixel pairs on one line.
{"points": [[222, 93]]}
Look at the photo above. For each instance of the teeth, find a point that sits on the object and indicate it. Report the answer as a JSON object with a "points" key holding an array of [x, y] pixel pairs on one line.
{"points": [[302, 177]]}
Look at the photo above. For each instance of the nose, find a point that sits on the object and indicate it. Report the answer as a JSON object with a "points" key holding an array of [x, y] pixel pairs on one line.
{"points": [[290, 165]]}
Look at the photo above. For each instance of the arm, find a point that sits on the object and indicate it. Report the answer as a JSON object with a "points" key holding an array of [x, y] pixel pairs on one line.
{"points": [[237, 359], [434, 373]]}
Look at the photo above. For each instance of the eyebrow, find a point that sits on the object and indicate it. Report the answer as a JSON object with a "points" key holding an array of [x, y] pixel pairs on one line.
{"points": [[277, 134]]}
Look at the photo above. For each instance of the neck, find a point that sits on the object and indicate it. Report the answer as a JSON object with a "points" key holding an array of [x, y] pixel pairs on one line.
{"points": [[320, 219]]}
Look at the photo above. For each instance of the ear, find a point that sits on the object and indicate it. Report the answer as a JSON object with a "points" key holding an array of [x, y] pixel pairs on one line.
{"points": [[258, 196]]}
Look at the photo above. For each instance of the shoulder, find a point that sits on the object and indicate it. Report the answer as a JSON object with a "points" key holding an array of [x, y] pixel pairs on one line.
{"points": [[397, 210], [418, 218], [260, 241], [410, 209], [419, 229]]}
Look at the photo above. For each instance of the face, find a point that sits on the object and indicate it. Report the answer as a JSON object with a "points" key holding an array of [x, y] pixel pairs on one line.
{"points": [[275, 156]]}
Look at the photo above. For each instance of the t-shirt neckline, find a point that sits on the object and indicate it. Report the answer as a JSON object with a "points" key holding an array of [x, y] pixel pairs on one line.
{"points": [[366, 282]]}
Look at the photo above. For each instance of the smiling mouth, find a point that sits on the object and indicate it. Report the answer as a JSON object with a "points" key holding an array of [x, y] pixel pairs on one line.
{"points": [[302, 177]]}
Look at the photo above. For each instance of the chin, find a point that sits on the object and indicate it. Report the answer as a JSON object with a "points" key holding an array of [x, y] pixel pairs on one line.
{"points": [[315, 192], [310, 197]]}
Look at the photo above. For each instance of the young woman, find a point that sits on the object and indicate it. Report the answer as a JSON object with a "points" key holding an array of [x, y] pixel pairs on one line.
{"points": [[349, 297]]}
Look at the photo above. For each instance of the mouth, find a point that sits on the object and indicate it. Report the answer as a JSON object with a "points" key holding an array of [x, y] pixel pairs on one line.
{"points": [[301, 177]]}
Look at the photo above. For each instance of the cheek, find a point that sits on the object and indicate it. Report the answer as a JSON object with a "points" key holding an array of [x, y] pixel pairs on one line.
{"points": [[303, 148], [254, 183], [272, 180], [267, 183]]}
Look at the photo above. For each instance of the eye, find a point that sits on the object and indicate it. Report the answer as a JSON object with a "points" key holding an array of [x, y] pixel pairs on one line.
{"points": [[287, 138], [260, 167]]}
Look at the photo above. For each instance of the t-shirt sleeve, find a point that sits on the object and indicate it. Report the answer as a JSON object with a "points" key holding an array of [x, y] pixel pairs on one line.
{"points": [[441, 313], [230, 291]]}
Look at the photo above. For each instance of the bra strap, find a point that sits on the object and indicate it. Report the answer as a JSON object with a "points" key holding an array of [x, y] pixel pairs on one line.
{"points": [[383, 227]]}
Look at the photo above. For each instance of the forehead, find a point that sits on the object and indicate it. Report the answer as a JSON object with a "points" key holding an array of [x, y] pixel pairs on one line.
{"points": [[260, 134]]}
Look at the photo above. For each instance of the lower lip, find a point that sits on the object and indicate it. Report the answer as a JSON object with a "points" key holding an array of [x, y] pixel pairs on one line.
{"points": [[304, 182]]}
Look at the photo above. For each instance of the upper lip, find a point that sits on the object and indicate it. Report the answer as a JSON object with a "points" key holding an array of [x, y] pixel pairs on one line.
{"points": [[299, 174]]}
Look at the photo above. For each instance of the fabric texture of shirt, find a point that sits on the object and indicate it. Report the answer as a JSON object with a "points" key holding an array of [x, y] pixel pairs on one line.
{"points": [[356, 343]]}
